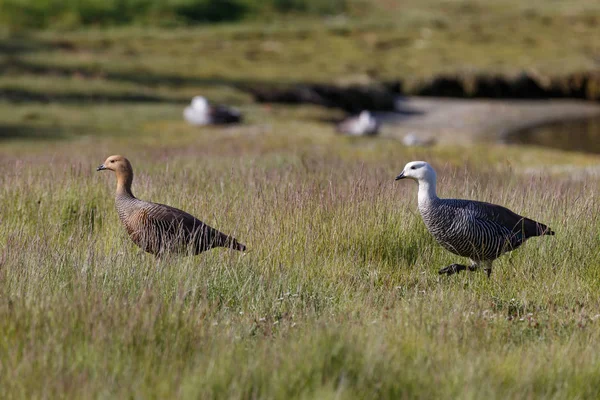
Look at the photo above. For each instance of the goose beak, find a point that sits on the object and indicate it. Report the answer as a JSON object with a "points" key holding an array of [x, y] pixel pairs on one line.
{"points": [[100, 168], [401, 176]]}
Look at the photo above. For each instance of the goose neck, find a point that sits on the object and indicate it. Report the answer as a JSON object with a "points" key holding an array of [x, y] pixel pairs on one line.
{"points": [[427, 192], [124, 181]]}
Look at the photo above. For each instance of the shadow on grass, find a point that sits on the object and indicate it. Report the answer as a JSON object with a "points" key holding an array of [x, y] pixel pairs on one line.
{"points": [[20, 44], [22, 96], [352, 99], [29, 132], [16, 65]]}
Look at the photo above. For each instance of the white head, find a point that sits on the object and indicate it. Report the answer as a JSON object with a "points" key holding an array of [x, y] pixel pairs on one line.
{"points": [[419, 171], [364, 117], [199, 103]]}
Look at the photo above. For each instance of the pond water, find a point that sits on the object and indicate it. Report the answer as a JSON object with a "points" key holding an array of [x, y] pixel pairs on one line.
{"points": [[575, 135]]}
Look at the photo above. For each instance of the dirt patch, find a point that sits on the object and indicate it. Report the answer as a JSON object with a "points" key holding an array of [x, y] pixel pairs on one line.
{"points": [[476, 120]]}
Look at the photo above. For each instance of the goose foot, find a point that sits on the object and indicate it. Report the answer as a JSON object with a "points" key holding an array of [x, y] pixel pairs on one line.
{"points": [[453, 269]]}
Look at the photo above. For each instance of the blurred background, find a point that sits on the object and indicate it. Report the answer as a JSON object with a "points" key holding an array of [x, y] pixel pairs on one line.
{"points": [[504, 71]]}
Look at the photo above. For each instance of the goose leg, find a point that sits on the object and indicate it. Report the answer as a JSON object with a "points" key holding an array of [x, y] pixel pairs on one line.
{"points": [[452, 269], [487, 266], [474, 265]]}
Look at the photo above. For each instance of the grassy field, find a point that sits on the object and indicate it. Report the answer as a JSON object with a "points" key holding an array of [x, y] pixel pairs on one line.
{"points": [[412, 41], [338, 296]]}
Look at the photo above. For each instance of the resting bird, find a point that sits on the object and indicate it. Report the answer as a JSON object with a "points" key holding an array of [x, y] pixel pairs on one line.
{"points": [[157, 228], [201, 112], [362, 125], [474, 229]]}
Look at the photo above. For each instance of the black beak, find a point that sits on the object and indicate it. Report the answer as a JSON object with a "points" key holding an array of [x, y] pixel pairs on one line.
{"points": [[401, 176], [100, 168]]}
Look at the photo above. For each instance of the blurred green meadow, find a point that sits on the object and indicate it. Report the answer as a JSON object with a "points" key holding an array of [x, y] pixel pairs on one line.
{"points": [[412, 41], [338, 295]]}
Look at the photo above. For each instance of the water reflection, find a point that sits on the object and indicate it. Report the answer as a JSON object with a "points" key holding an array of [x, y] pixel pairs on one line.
{"points": [[577, 135]]}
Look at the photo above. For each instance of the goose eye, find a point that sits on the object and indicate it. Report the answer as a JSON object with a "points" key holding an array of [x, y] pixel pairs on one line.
{"points": [[413, 167], [112, 161]]}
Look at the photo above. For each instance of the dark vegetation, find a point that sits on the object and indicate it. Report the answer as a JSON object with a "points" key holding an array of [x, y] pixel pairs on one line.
{"points": [[73, 13]]}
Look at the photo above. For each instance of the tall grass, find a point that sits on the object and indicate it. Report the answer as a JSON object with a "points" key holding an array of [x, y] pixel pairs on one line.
{"points": [[338, 295]]}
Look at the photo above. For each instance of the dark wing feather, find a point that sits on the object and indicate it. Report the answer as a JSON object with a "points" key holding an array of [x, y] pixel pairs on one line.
{"points": [[176, 230], [376, 128], [221, 114], [508, 219]]}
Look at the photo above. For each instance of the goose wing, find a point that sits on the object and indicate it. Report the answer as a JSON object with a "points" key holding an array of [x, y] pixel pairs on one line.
{"points": [[506, 219], [159, 227], [221, 114]]}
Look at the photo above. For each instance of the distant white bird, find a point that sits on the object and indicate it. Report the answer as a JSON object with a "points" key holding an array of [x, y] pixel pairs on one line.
{"points": [[201, 112], [362, 125], [412, 140]]}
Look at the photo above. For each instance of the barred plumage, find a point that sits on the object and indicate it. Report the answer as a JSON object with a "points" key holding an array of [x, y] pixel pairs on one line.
{"points": [[158, 228], [477, 230]]}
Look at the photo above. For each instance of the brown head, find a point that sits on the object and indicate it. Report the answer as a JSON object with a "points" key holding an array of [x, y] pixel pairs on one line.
{"points": [[123, 170]]}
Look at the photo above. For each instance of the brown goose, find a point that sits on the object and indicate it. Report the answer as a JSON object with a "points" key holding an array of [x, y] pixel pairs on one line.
{"points": [[157, 228]]}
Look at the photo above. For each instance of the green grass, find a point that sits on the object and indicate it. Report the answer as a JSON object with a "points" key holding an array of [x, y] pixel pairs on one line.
{"points": [[339, 294], [412, 41]]}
